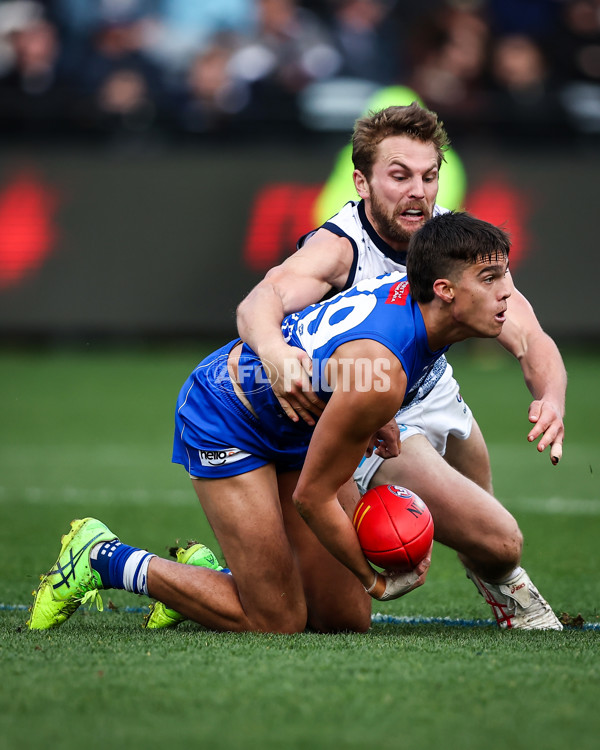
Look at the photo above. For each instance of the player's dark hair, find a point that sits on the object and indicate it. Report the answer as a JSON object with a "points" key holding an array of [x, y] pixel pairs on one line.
{"points": [[413, 121], [445, 245]]}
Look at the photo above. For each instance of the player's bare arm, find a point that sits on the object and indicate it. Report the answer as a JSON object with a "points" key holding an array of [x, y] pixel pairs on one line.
{"points": [[302, 279], [543, 370], [339, 441]]}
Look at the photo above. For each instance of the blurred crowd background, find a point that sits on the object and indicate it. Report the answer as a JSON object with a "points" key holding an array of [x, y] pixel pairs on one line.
{"points": [[199, 68]]}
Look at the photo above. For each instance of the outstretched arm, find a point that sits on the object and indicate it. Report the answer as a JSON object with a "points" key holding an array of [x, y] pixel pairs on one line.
{"points": [[543, 370], [302, 279], [337, 445]]}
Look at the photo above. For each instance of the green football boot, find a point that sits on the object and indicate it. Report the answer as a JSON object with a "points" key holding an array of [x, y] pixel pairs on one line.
{"points": [[160, 615], [71, 581]]}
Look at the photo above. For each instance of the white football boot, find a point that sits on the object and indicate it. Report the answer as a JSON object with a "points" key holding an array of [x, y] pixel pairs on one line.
{"points": [[516, 603]]}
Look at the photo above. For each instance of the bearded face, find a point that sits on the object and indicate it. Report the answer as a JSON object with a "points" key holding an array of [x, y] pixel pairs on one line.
{"points": [[397, 225], [401, 190]]}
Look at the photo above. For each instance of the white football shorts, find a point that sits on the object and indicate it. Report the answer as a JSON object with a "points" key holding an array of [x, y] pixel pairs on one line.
{"points": [[441, 413]]}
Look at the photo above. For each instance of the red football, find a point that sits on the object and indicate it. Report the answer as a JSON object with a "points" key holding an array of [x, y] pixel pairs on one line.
{"points": [[394, 527]]}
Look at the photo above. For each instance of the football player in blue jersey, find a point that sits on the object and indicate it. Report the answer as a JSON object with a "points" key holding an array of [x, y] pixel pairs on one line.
{"points": [[269, 486], [397, 153]]}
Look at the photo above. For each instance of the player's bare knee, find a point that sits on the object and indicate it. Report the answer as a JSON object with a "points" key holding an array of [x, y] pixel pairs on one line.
{"points": [[358, 621], [286, 620], [503, 541], [514, 546], [283, 626], [500, 556], [510, 541], [495, 554]]}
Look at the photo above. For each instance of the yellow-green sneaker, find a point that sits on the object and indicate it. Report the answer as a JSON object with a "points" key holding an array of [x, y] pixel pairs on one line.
{"points": [[71, 581], [160, 615]]}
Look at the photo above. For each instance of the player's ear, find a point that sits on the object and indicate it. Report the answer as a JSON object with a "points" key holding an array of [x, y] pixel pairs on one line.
{"points": [[361, 184], [444, 289]]}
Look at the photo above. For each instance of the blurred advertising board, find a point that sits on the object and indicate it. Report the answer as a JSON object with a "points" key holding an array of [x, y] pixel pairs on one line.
{"points": [[167, 242]]}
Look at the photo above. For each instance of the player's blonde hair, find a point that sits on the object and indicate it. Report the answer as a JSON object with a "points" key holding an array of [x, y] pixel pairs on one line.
{"points": [[413, 121]]}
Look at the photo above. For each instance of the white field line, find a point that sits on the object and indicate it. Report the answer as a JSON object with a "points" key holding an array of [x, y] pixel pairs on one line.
{"points": [[185, 495], [376, 618], [99, 495], [560, 506]]}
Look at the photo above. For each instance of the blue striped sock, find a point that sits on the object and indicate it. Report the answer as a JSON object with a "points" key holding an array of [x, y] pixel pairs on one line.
{"points": [[121, 566]]}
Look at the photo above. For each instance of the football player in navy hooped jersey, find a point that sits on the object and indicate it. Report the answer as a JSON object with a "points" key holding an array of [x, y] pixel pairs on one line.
{"points": [[397, 153]]}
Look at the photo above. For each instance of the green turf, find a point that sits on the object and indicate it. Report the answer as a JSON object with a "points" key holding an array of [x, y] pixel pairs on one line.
{"points": [[89, 433]]}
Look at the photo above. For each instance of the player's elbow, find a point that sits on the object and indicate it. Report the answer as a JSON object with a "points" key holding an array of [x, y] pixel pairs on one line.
{"points": [[261, 294], [243, 311], [522, 348], [300, 504], [246, 311], [303, 504]]}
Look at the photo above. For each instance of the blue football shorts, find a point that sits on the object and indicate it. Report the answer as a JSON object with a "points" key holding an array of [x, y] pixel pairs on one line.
{"points": [[217, 436]]}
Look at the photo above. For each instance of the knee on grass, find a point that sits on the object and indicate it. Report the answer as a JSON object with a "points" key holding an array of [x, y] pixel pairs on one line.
{"points": [[359, 622], [286, 621], [345, 614]]}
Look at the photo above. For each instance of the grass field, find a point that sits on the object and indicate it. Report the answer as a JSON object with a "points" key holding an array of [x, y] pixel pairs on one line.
{"points": [[88, 432]]}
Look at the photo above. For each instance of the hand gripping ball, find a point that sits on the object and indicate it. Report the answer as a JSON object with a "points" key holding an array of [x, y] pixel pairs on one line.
{"points": [[394, 527]]}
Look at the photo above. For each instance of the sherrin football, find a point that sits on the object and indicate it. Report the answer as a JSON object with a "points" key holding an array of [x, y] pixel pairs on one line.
{"points": [[394, 527]]}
